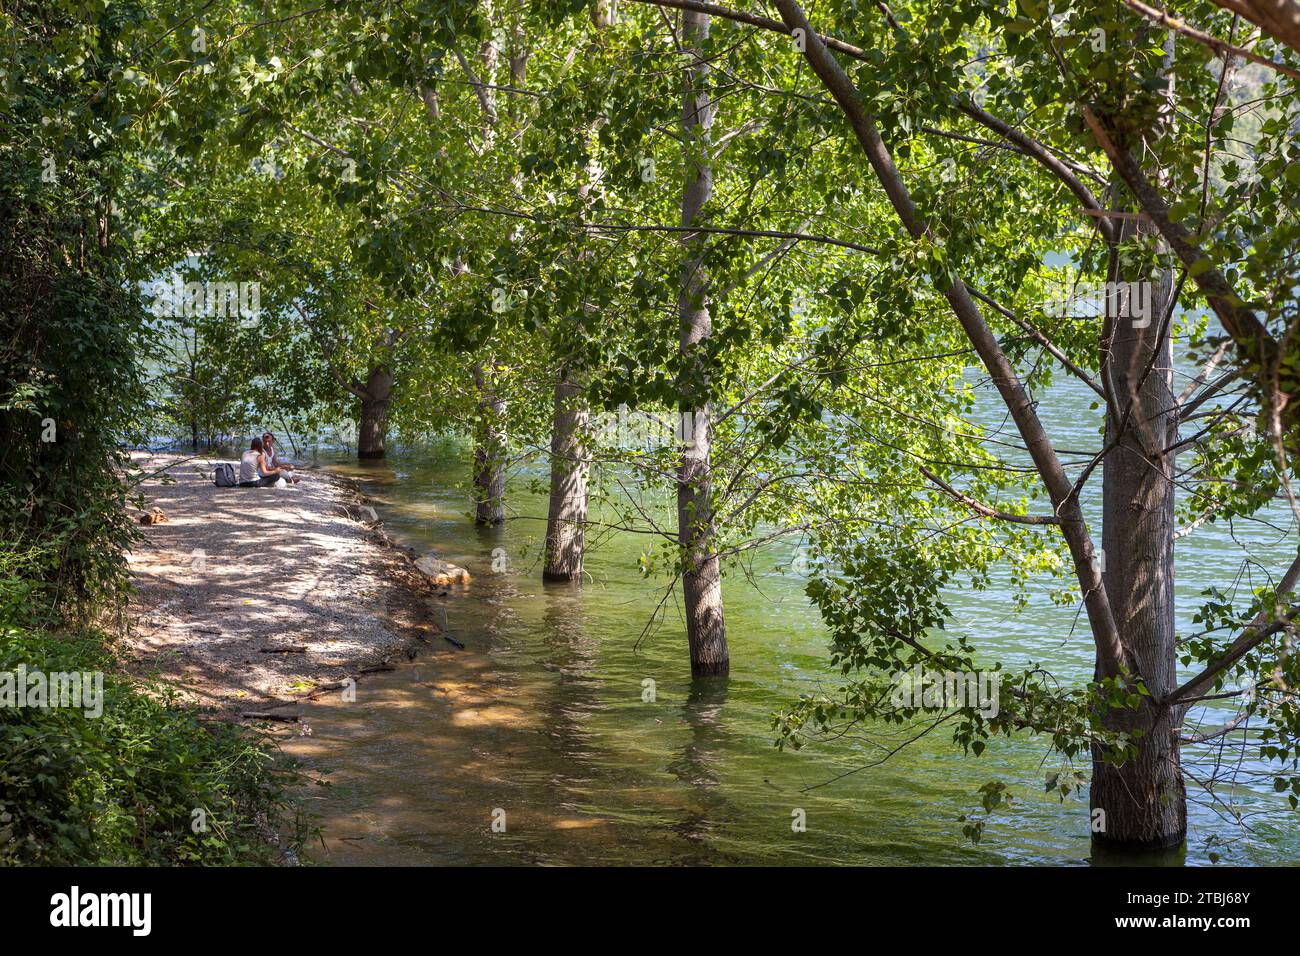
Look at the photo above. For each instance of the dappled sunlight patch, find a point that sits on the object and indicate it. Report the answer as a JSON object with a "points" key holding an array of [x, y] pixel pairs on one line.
{"points": [[504, 715], [583, 823], [268, 595]]}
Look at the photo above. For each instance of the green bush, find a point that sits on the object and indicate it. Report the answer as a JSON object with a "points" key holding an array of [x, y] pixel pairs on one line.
{"points": [[123, 788]]}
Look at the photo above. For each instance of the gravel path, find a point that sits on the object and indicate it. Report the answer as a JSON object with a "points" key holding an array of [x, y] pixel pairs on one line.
{"points": [[234, 574]]}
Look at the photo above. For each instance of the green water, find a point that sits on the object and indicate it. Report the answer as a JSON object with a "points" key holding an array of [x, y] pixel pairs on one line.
{"points": [[586, 771]]}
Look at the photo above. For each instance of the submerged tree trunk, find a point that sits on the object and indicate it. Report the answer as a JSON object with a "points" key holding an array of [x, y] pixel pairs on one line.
{"points": [[702, 577], [373, 431], [702, 581], [1143, 801], [489, 425], [567, 517], [489, 452], [567, 514]]}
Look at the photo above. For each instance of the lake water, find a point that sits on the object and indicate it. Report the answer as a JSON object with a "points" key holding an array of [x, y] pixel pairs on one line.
{"points": [[540, 720]]}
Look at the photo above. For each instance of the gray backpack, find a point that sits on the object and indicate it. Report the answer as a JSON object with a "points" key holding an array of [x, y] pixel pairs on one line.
{"points": [[224, 477]]}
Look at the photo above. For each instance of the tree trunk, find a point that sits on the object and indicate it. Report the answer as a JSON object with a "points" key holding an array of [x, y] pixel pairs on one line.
{"points": [[489, 453], [489, 428], [706, 629], [1143, 801], [567, 517], [194, 382], [702, 577], [374, 413]]}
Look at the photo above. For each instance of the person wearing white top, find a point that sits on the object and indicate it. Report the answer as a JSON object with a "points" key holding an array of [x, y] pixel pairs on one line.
{"points": [[254, 470], [268, 449]]}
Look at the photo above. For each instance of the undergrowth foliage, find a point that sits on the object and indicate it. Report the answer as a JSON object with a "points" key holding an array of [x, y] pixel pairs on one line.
{"points": [[147, 781]]}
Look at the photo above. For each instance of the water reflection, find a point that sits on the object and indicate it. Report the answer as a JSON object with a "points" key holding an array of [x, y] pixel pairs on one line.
{"points": [[542, 715], [1101, 856], [698, 763], [573, 694]]}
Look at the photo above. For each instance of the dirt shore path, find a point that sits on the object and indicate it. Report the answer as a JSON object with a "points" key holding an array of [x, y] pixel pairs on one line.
{"points": [[250, 597]]}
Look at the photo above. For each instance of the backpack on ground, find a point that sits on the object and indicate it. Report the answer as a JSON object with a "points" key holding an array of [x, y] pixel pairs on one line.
{"points": [[224, 477]]}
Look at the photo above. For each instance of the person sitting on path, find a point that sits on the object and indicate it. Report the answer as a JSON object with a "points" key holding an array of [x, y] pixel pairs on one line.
{"points": [[273, 458], [252, 473]]}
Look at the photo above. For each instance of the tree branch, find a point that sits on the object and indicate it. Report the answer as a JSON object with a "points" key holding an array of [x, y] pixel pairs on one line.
{"points": [[1111, 653], [1222, 48], [1280, 19], [984, 509], [1250, 638]]}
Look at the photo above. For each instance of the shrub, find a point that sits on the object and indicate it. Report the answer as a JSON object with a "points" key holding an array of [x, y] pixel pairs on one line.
{"points": [[146, 783]]}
